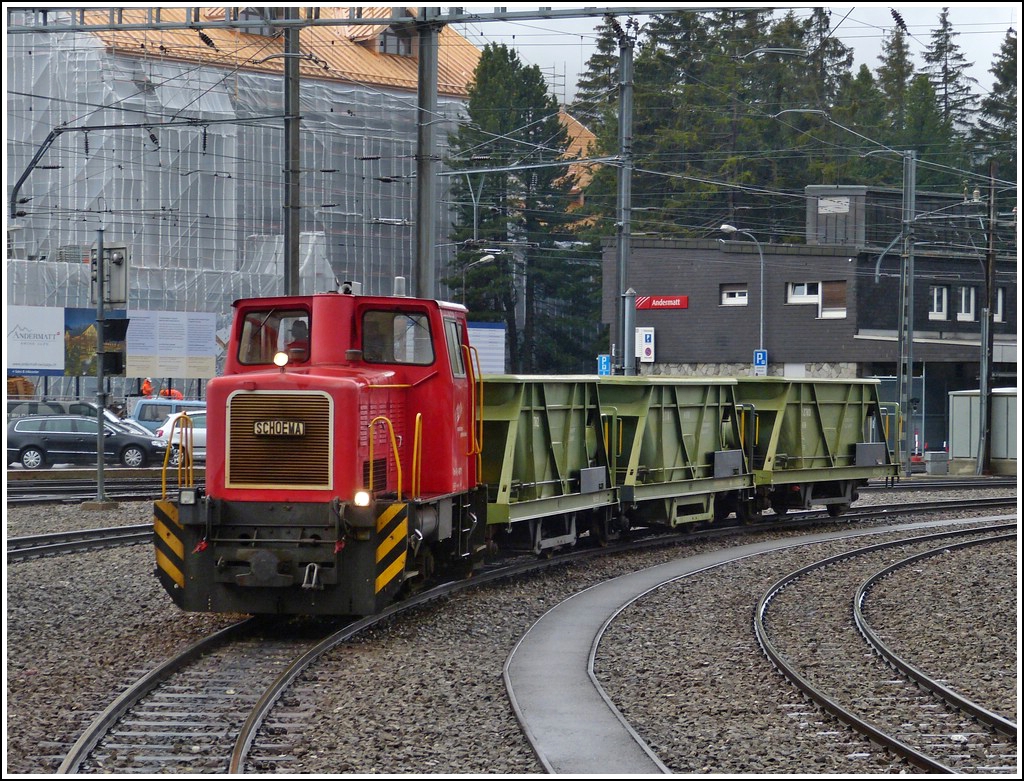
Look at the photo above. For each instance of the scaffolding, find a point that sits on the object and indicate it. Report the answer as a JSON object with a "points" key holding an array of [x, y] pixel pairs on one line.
{"points": [[183, 161]]}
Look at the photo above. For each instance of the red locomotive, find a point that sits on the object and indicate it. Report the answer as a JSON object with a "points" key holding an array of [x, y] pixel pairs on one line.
{"points": [[344, 461]]}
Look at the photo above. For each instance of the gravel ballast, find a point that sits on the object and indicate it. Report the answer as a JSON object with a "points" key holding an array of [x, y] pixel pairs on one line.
{"points": [[428, 687]]}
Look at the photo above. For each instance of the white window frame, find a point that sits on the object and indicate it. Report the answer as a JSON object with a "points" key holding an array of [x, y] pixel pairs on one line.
{"points": [[997, 310], [965, 300], [733, 295], [938, 309], [801, 293]]}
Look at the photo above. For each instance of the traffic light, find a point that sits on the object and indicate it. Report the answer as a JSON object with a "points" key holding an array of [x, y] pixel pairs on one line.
{"points": [[116, 260], [115, 329], [113, 363]]}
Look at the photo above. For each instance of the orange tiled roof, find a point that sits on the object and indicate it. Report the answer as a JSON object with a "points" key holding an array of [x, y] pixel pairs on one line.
{"points": [[344, 52], [581, 142]]}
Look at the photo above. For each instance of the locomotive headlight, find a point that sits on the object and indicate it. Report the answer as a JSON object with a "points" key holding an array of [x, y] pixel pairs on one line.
{"points": [[281, 359], [187, 496], [361, 499]]}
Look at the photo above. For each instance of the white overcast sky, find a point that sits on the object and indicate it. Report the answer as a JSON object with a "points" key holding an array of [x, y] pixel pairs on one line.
{"points": [[562, 48]]}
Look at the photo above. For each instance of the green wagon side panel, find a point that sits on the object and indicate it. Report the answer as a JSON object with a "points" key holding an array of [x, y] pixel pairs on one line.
{"points": [[806, 426], [540, 433], [665, 432]]}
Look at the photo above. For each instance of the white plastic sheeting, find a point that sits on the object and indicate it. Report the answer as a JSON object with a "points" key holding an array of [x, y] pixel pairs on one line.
{"points": [[199, 199]]}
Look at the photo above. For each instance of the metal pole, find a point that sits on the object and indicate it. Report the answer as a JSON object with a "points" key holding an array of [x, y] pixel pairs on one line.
{"points": [[625, 194], [907, 306], [760, 255], [426, 158], [101, 396], [292, 157], [630, 328], [984, 465]]}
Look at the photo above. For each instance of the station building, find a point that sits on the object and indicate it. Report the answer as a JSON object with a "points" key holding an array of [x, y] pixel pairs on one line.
{"points": [[831, 306]]}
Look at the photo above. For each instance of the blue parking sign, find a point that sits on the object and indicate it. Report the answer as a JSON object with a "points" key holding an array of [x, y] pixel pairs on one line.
{"points": [[604, 365], [760, 357]]}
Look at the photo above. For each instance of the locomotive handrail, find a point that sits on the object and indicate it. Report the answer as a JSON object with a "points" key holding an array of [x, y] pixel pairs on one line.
{"points": [[394, 450], [417, 455], [476, 403], [186, 475]]}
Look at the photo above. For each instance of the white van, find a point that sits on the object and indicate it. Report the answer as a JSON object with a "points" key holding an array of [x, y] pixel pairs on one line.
{"points": [[151, 412]]}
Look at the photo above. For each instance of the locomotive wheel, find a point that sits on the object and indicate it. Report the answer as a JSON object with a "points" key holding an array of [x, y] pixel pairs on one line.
{"points": [[835, 510], [426, 568]]}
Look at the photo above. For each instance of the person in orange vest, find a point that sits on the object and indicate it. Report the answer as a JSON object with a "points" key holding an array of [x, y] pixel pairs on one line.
{"points": [[147, 387], [172, 393]]}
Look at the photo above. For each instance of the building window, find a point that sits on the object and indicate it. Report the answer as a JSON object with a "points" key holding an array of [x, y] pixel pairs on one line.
{"points": [[997, 309], [393, 42], [938, 308], [802, 293], [833, 300], [733, 295], [965, 303]]}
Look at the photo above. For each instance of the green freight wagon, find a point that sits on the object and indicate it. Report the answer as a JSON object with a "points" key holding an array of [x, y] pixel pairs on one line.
{"points": [[813, 441], [564, 455], [676, 448], [544, 460]]}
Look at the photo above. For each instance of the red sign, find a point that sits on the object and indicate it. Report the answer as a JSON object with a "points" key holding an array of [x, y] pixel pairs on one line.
{"points": [[662, 302]]}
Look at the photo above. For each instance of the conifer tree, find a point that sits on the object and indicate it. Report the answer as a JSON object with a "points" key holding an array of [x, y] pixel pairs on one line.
{"points": [[893, 77], [520, 213], [947, 71], [997, 119]]}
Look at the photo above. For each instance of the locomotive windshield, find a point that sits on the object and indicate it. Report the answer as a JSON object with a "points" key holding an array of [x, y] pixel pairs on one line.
{"points": [[266, 332], [397, 337]]}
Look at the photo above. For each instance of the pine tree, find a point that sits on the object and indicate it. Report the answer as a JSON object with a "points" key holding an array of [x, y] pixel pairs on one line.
{"points": [[894, 76], [927, 133], [520, 212], [997, 120], [597, 90], [947, 71]]}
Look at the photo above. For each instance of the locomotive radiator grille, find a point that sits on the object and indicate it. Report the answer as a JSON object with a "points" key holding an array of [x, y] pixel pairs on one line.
{"points": [[279, 439]]}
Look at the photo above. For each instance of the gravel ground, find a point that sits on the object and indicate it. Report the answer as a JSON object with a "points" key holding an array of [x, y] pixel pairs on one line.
{"points": [[428, 688]]}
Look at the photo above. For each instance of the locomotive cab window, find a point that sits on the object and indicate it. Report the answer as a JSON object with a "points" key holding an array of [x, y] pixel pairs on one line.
{"points": [[265, 332], [397, 337], [453, 331]]}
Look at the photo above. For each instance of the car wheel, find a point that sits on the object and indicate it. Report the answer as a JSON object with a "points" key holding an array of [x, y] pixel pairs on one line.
{"points": [[33, 458], [133, 456], [175, 458]]}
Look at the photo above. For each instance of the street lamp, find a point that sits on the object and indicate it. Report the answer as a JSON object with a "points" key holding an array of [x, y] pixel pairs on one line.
{"points": [[484, 259], [906, 340], [730, 229]]}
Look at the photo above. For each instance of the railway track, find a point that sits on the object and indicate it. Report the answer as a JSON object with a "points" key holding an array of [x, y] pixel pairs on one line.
{"points": [[924, 721], [23, 548], [77, 487], [75, 490], [34, 546], [147, 729]]}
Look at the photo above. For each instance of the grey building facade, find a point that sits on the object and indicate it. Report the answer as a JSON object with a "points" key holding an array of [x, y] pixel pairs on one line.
{"points": [[831, 307]]}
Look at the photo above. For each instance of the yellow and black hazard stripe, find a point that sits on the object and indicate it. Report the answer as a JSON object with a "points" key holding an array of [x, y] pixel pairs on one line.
{"points": [[169, 542], [392, 539]]}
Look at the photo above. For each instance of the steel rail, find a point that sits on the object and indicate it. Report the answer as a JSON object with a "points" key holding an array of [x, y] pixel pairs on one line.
{"points": [[103, 723], [960, 702], [845, 715]]}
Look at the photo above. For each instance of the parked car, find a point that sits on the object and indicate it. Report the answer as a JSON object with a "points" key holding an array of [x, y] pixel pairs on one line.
{"points": [[151, 412], [170, 432], [39, 441], [20, 408]]}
